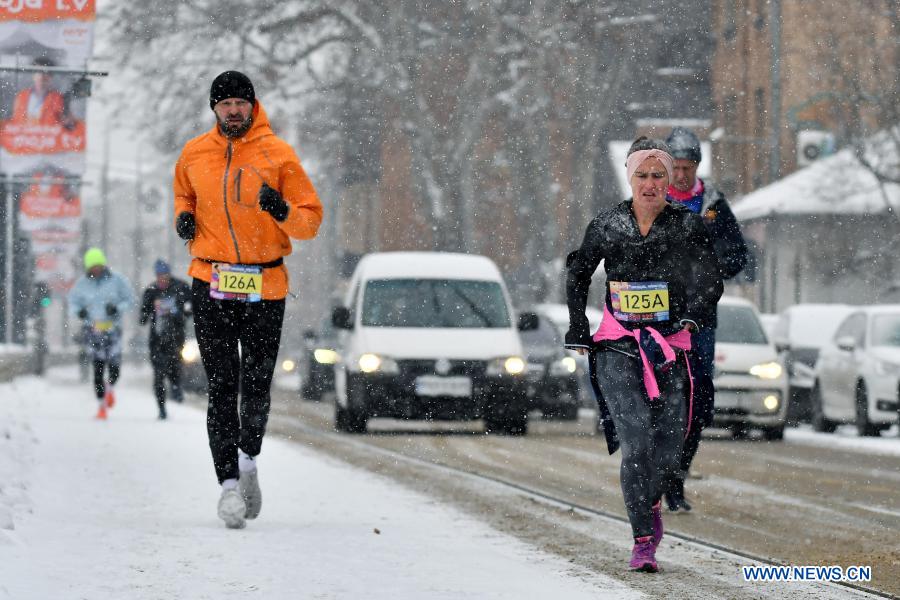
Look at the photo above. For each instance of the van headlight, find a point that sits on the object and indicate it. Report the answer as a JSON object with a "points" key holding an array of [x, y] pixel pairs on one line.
{"points": [[374, 363], [563, 366], [325, 356], [507, 365], [288, 365], [190, 352], [769, 370]]}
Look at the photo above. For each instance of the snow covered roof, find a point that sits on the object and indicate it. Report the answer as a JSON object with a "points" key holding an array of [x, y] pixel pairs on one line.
{"points": [[428, 265], [837, 184]]}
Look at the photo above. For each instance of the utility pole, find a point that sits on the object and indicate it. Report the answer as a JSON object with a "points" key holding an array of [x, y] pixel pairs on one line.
{"points": [[9, 222], [775, 112], [104, 190], [138, 234]]}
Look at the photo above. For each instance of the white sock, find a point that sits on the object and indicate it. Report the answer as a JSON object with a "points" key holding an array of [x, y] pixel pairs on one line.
{"points": [[246, 463], [229, 484]]}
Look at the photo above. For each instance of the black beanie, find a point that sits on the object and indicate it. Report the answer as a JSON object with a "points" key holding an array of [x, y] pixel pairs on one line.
{"points": [[231, 84]]}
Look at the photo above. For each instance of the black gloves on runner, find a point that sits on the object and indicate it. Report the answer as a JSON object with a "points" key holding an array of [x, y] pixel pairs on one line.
{"points": [[83, 314], [186, 227], [111, 310], [272, 202]]}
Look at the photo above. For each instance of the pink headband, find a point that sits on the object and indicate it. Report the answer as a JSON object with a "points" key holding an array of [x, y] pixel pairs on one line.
{"points": [[637, 157]]}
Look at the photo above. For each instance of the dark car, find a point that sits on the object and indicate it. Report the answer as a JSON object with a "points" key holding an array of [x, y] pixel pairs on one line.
{"points": [[317, 364], [552, 375]]}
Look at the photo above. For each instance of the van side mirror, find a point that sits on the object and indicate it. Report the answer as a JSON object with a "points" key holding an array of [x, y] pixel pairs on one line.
{"points": [[782, 345], [309, 335], [528, 321], [846, 343], [340, 318]]}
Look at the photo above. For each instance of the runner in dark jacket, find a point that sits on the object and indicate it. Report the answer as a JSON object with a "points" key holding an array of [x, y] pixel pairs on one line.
{"points": [[662, 277], [690, 191], [165, 306]]}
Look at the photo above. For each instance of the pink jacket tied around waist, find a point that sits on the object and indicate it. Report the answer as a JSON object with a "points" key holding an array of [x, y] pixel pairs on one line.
{"points": [[611, 329]]}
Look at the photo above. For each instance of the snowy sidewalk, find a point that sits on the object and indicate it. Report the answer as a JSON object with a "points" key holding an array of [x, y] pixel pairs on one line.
{"points": [[126, 509]]}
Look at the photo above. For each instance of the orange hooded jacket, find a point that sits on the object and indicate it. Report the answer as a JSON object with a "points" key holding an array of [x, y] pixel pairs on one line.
{"points": [[218, 180]]}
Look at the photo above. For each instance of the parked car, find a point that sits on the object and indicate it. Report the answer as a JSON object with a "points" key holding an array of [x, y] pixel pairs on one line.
{"points": [[430, 335], [770, 323], [317, 364], [750, 380], [559, 315], [858, 371], [801, 331], [553, 380]]}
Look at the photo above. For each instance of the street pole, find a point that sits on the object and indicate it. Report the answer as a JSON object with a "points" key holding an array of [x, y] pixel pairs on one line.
{"points": [[775, 153], [8, 263], [104, 191], [138, 258]]}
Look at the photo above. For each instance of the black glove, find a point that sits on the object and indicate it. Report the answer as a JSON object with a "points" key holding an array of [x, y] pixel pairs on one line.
{"points": [[83, 314], [272, 202], [186, 226], [111, 310]]}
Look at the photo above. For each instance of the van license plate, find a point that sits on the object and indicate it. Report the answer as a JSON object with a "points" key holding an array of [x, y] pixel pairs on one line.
{"points": [[432, 385]]}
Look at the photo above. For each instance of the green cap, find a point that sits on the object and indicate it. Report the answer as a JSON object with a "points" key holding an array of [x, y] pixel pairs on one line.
{"points": [[94, 257]]}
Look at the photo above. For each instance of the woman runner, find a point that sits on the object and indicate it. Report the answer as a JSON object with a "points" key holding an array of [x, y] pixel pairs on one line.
{"points": [[662, 277]]}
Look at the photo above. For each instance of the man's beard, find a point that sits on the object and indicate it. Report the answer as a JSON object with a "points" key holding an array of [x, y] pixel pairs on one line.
{"points": [[230, 130]]}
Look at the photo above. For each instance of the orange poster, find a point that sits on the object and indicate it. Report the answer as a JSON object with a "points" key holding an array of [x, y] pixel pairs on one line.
{"points": [[47, 10]]}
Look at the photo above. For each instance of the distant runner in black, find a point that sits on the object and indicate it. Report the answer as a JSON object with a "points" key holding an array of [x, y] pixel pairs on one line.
{"points": [[165, 306]]}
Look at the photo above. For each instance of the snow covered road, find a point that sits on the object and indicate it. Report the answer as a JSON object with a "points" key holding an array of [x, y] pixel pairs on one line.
{"points": [[126, 509]]}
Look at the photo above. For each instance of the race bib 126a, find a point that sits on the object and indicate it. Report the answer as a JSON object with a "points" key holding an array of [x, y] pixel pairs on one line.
{"points": [[236, 282], [639, 302]]}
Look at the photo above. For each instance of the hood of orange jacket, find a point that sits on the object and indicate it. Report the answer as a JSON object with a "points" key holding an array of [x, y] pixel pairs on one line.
{"points": [[218, 180]]}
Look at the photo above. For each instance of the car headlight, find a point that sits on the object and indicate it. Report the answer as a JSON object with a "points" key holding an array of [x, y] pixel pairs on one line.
{"points": [[886, 368], [190, 352], [324, 356], [288, 365], [564, 366], [769, 370], [373, 363], [507, 365]]}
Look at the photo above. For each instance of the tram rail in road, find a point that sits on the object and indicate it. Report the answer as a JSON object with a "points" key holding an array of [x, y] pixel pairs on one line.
{"points": [[721, 562]]}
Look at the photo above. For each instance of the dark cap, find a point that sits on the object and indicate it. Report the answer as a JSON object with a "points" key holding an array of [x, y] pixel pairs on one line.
{"points": [[683, 143], [161, 267], [231, 84]]}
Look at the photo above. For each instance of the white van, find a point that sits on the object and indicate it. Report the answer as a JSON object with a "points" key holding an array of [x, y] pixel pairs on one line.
{"points": [[429, 335]]}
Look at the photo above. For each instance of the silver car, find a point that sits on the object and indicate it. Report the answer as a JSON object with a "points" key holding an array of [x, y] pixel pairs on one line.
{"points": [[858, 372], [750, 379]]}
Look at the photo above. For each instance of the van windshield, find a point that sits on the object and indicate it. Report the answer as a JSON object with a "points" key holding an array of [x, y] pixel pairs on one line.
{"points": [[739, 325], [434, 303]]}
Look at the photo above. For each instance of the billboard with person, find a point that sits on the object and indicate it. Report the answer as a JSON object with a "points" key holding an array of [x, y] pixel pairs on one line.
{"points": [[44, 47]]}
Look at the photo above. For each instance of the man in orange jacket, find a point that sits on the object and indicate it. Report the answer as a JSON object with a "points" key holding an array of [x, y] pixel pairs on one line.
{"points": [[240, 196]]}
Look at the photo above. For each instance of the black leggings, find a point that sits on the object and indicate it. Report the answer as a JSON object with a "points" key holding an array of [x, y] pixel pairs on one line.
{"points": [[651, 432], [99, 386], [221, 327], [166, 362]]}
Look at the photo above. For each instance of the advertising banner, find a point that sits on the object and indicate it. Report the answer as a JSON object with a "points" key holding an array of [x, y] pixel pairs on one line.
{"points": [[42, 124]]}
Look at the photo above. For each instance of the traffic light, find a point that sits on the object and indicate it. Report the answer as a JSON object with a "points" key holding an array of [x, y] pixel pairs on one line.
{"points": [[42, 296]]}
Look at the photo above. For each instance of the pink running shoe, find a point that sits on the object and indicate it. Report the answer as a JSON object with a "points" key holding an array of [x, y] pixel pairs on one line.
{"points": [[657, 525], [643, 555]]}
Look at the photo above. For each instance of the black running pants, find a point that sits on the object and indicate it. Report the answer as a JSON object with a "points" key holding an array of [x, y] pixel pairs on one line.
{"points": [[222, 327]]}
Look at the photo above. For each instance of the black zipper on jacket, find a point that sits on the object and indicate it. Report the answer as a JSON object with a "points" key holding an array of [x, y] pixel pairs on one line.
{"points": [[228, 153]]}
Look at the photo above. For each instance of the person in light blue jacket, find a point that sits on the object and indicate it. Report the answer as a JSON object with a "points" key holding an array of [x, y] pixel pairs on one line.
{"points": [[98, 299]]}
